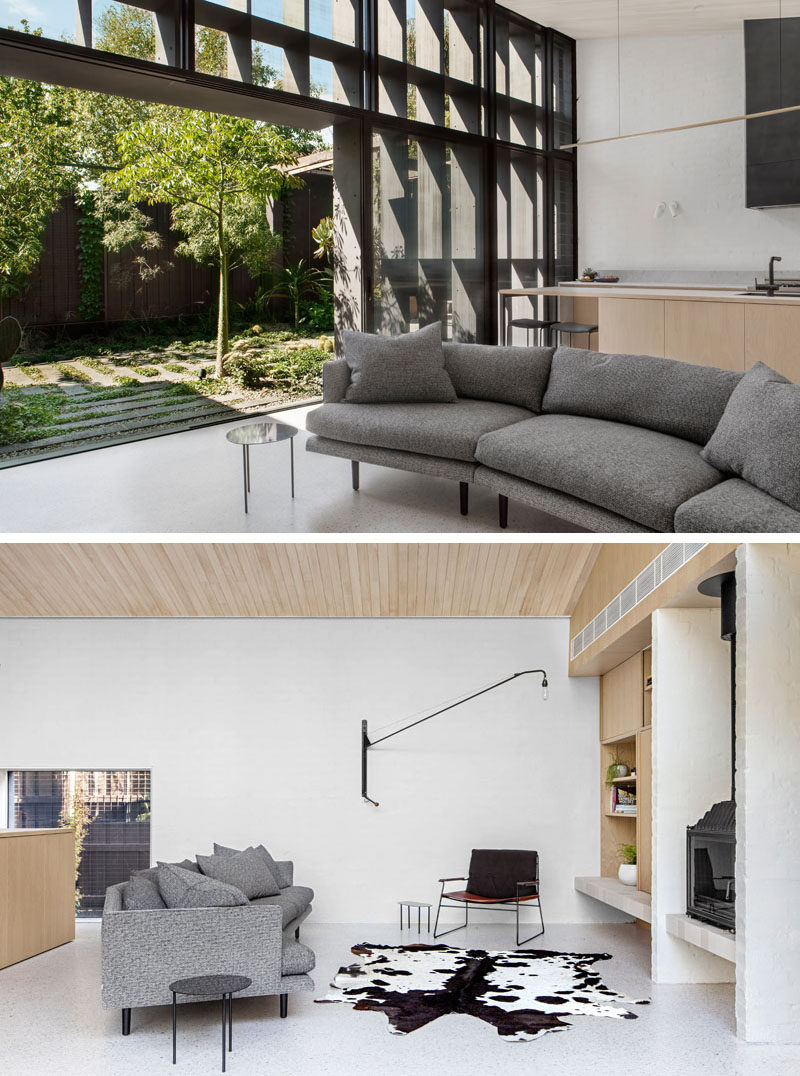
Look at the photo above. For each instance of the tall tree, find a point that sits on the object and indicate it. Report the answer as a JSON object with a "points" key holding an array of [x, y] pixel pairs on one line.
{"points": [[216, 172]]}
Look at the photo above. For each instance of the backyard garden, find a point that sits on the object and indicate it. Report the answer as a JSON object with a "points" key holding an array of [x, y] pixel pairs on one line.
{"points": [[97, 379]]}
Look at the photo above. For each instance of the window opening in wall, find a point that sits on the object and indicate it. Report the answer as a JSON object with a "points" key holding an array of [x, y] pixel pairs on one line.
{"points": [[109, 811]]}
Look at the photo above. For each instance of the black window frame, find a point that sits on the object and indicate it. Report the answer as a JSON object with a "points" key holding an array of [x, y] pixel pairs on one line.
{"points": [[26, 56]]}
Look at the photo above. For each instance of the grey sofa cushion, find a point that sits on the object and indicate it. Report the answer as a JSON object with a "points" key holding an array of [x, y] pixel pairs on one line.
{"points": [[678, 398], [296, 958], [141, 894], [397, 369], [445, 430], [511, 375], [272, 865], [633, 472], [300, 895], [247, 870], [758, 436], [736, 507], [151, 873], [286, 905], [180, 888]]}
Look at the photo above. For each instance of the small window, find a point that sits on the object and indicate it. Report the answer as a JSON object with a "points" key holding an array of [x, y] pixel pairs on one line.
{"points": [[110, 812]]}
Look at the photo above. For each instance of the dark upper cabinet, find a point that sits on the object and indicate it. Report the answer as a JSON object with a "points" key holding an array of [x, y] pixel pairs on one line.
{"points": [[772, 74]]}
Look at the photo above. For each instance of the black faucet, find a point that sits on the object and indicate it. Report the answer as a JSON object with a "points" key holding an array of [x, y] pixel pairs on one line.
{"points": [[772, 286]]}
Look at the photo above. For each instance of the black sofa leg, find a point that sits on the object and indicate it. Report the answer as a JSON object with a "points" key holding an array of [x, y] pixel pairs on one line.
{"points": [[464, 491], [354, 468], [284, 1006], [297, 934], [126, 1021], [503, 511]]}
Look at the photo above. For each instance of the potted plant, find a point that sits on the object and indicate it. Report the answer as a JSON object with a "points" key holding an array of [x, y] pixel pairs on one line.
{"points": [[618, 767], [627, 869]]}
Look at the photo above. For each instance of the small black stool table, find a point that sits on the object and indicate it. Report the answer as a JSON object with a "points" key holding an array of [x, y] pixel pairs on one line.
{"points": [[207, 986], [419, 905]]}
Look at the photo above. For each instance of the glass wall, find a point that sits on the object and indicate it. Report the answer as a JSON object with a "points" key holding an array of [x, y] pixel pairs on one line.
{"points": [[450, 179], [428, 235], [111, 806], [430, 62]]}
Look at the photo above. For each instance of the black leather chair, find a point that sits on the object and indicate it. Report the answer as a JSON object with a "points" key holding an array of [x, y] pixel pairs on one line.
{"points": [[498, 878]]}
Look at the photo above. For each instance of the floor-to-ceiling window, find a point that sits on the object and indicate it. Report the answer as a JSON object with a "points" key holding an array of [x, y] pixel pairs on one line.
{"points": [[462, 107], [109, 811]]}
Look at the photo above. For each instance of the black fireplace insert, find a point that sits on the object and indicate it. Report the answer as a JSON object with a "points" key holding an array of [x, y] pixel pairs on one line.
{"points": [[710, 867]]}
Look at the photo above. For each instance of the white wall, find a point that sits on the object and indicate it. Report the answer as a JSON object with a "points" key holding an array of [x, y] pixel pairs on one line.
{"points": [[668, 81], [768, 793], [252, 731], [691, 772]]}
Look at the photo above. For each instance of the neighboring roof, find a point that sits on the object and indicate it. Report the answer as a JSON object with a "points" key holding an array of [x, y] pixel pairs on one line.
{"points": [[321, 161]]}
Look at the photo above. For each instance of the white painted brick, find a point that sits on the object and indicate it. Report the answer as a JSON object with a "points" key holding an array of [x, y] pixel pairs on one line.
{"points": [[691, 771], [668, 81], [768, 793]]}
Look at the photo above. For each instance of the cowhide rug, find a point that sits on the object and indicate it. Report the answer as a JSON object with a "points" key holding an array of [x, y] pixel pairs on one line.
{"points": [[523, 992]]}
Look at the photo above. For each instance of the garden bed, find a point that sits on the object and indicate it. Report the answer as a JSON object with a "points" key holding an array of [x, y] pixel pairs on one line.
{"points": [[62, 398]]}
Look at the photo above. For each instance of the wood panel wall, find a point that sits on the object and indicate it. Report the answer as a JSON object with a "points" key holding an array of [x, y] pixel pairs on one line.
{"points": [[37, 892]]}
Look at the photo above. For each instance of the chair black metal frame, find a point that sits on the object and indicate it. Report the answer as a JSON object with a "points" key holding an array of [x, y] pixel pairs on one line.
{"points": [[490, 903]]}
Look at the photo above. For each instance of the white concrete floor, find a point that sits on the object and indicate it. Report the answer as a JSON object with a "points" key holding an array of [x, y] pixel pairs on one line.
{"points": [[192, 483], [51, 1022]]}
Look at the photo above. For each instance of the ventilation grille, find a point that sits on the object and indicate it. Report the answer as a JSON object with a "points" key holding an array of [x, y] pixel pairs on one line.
{"points": [[657, 571]]}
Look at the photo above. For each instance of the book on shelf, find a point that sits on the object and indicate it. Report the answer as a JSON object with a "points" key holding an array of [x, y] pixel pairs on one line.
{"points": [[623, 801]]}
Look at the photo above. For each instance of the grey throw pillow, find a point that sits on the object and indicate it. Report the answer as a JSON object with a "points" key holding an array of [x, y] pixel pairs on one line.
{"points": [[152, 872], [180, 888], [279, 871], [758, 436], [141, 894], [511, 375], [247, 870], [397, 369]]}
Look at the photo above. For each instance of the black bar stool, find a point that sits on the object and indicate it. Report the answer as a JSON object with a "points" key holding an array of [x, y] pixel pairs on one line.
{"points": [[573, 328], [528, 324]]}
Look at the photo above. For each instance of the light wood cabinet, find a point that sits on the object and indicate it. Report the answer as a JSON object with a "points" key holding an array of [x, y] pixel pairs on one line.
{"points": [[37, 892], [772, 335], [586, 312], [622, 699], [632, 326], [711, 334], [644, 807]]}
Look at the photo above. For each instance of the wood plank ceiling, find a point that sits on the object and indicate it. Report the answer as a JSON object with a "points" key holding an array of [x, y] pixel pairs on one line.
{"points": [[276, 580]]}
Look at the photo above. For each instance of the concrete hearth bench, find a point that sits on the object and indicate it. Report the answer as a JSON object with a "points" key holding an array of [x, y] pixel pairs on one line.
{"points": [[613, 443]]}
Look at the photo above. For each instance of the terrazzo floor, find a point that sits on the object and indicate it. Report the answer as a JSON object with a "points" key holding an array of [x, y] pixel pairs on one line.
{"points": [[51, 1022], [191, 482]]}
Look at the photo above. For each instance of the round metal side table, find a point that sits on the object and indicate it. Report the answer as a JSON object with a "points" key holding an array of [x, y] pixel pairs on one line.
{"points": [[261, 433], [209, 986]]}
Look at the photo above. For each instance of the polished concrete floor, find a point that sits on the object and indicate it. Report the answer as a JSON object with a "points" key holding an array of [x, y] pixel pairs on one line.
{"points": [[51, 1022], [192, 483]]}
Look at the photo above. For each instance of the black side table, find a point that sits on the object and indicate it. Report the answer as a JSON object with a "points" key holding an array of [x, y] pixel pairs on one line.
{"points": [[206, 986]]}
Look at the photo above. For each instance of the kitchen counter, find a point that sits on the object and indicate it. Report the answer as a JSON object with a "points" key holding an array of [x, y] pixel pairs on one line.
{"points": [[648, 291], [719, 326]]}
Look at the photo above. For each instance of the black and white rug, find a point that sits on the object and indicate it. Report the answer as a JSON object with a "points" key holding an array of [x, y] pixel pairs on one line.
{"points": [[522, 992]]}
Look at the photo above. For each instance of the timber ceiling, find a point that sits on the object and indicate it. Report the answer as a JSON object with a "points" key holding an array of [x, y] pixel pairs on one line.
{"points": [[130, 579]]}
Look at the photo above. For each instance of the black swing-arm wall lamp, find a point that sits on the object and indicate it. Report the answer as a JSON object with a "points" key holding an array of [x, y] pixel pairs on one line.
{"points": [[366, 742]]}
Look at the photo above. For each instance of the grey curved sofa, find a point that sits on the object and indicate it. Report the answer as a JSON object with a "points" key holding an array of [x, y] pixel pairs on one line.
{"points": [[144, 951], [611, 443]]}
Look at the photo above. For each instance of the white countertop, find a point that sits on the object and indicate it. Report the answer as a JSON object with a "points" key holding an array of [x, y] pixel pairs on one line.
{"points": [[668, 291]]}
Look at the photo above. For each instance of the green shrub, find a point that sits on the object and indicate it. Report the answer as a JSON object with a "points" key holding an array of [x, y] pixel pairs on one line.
{"points": [[318, 315], [293, 372], [27, 416]]}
